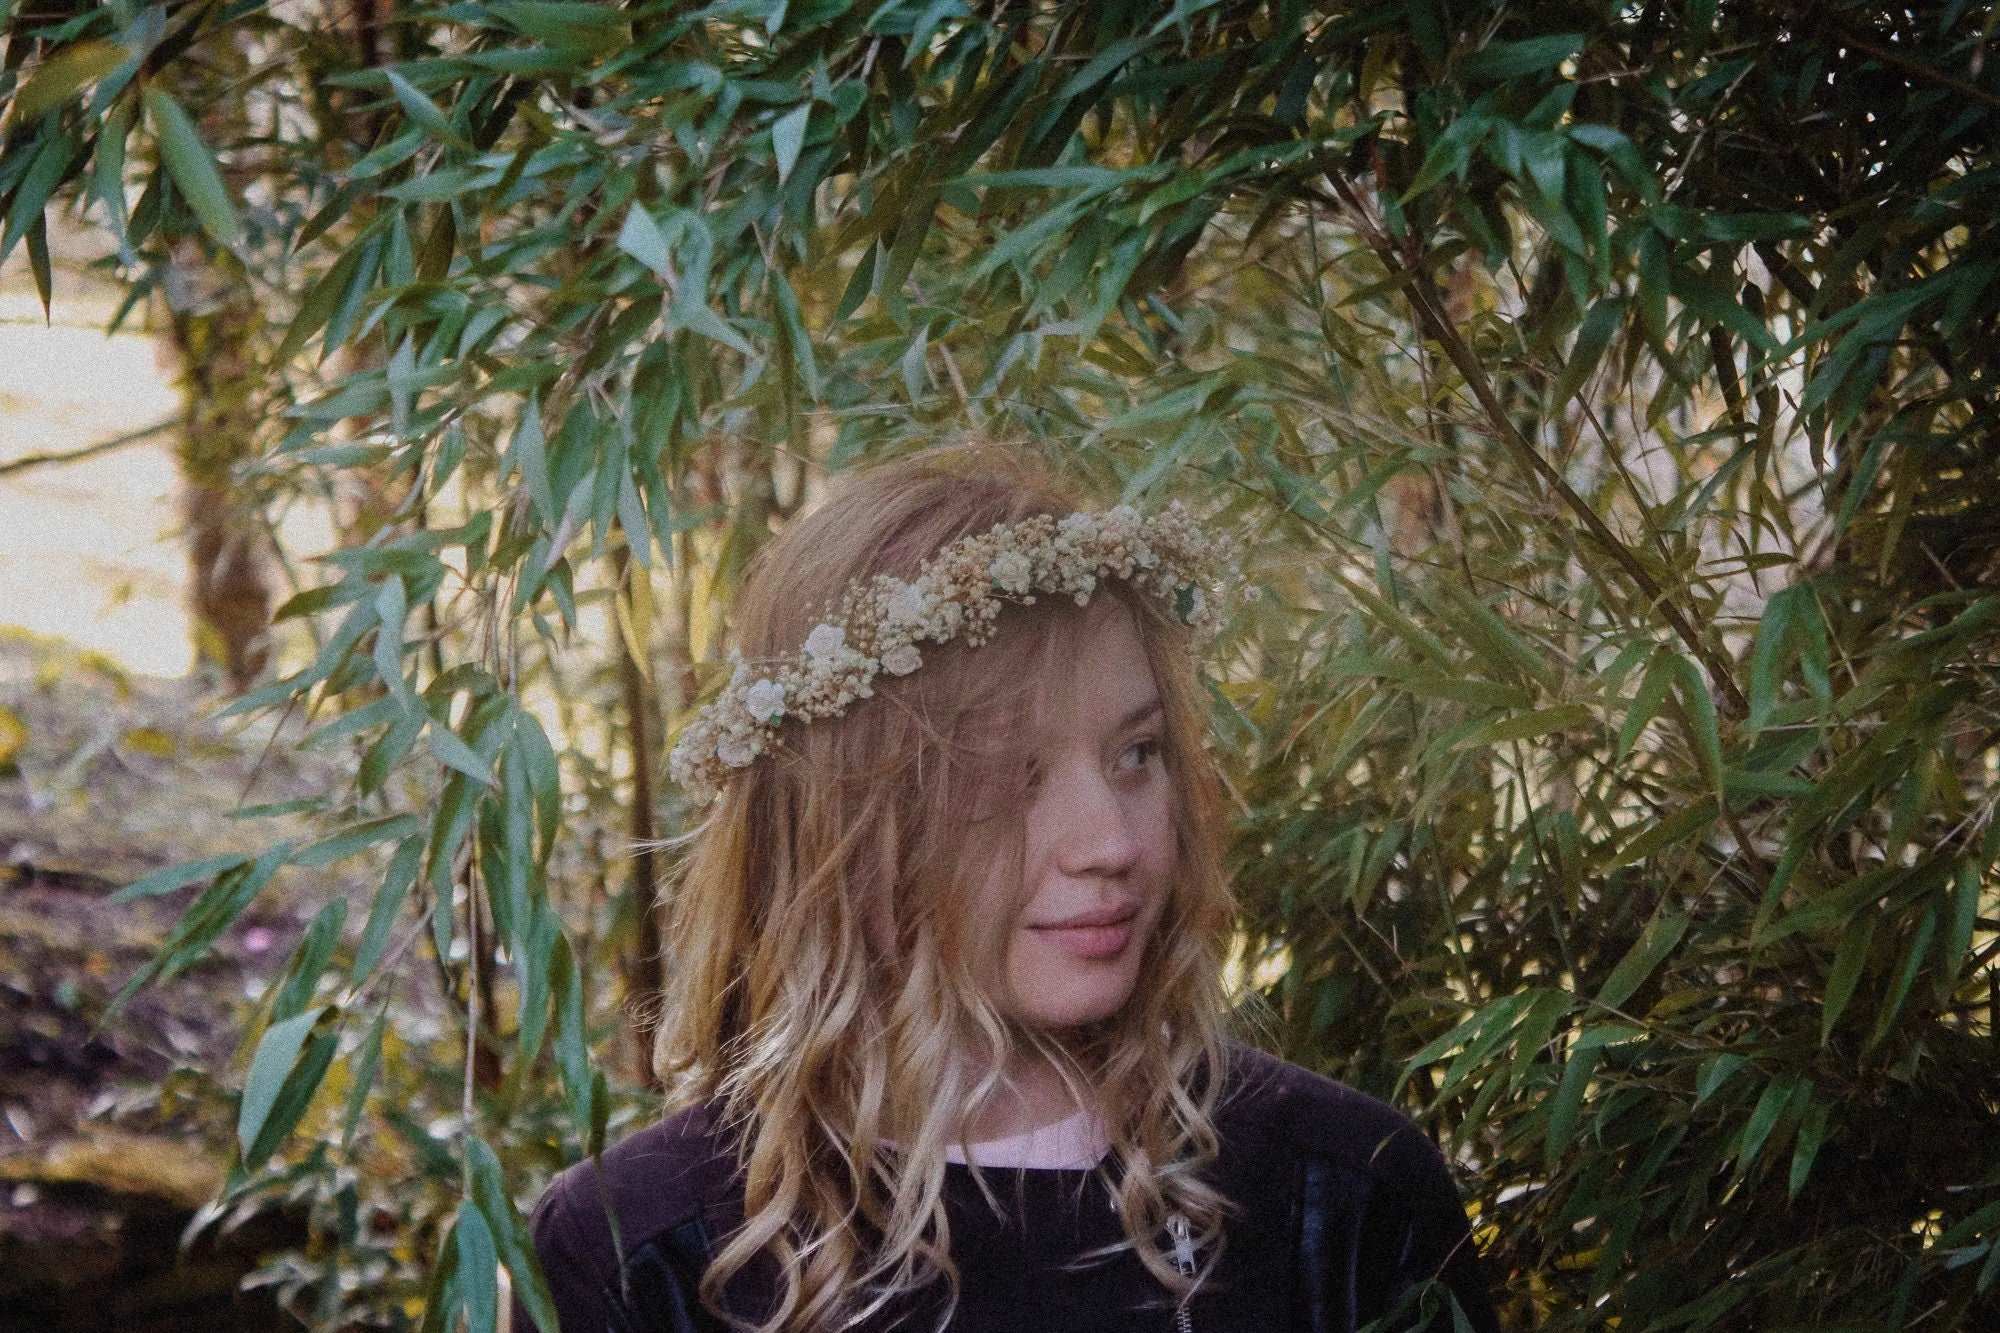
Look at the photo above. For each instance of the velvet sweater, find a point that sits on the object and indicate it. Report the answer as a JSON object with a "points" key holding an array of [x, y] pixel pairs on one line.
{"points": [[1343, 1213]]}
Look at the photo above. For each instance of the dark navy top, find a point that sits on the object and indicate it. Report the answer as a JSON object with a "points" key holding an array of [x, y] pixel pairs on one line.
{"points": [[1344, 1214]]}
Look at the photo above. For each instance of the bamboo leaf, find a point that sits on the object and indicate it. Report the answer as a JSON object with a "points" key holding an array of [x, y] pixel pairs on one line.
{"points": [[452, 751], [59, 77], [478, 1269], [170, 878], [1848, 962], [193, 168], [271, 1068], [1655, 942], [363, 1080], [788, 136], [642, 239], [1592, 338]]}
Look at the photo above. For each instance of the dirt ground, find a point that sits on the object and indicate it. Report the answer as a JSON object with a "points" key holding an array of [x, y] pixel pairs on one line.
{"points": [[114, 1130]]}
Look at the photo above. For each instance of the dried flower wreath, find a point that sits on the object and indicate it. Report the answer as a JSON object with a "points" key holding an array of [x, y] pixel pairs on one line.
{"points": [[958, 593]]}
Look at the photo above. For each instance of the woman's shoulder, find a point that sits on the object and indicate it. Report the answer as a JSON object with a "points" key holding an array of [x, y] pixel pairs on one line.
{"points": [[1272, 1105], [672, 1172], [635, 1224]]}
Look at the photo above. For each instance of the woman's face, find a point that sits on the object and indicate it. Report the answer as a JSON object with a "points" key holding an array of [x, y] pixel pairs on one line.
{"points": [[1098, 845]]}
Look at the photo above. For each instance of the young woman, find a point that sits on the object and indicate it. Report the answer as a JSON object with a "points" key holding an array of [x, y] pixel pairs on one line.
{"points": [[945, 1010]]}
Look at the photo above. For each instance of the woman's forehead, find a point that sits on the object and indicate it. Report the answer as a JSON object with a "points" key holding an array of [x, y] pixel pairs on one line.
{"points": [[1065, 667]]}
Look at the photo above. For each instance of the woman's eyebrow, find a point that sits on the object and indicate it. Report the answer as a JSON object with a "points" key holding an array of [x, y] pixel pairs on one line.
{"points": [[1144, 712]]}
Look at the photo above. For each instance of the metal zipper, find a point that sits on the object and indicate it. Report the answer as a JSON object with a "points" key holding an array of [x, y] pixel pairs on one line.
{"points": [[1177, 1227]]}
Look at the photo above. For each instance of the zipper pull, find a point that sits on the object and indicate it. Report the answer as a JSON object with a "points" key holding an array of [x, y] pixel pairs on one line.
{"points": [[1177, 1226]]}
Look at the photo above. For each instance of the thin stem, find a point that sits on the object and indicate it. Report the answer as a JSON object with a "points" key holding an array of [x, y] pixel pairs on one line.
{"points": [[27, 461], [1438, 327]]}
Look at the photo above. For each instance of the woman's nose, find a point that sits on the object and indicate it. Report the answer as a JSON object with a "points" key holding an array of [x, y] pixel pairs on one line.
{"points": [[1094, 830]]}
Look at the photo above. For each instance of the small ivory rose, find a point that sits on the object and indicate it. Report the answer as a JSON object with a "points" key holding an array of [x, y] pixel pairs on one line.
{"points": [[906, 605], [902, 659], [824, 642], [1011, 572], [765, 700], [737, 751]]}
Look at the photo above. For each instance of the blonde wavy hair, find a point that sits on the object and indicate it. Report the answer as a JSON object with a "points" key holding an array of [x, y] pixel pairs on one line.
{"points": [[827, 992]]}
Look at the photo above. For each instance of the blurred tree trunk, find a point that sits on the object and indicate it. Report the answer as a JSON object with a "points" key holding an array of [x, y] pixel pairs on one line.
{"points": [[213, 321]]}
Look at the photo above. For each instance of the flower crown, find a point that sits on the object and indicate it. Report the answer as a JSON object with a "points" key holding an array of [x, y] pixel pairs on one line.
{"points": [[957, 593]]}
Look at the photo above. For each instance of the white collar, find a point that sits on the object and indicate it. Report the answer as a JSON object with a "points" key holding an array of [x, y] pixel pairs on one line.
{"points": [[1077, 1142]]}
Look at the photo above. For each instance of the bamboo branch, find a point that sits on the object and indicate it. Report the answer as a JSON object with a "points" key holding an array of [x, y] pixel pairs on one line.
{"points": [[1437, 326], [1909, 65], [22, 464]]}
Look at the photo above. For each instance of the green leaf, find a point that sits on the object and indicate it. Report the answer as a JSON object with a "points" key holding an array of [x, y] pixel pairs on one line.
{"points": [[1499, 61], [1566, 1105], [193, 168], [370, 1060], [356, 838], [788, 136], [421, 108], [478, 1269], [1805, 1149], [1701, 716], [179, 876], [309, 960], [698, 318], [793, 324], [1527, 726], [1717, 1070], [453, 752], [591, 29], [1592, 337], [1848, 962], [58, 78], [572, 1036], [1655, 942], [1764, 1118], [294, 1098], [1102, 66], [642, 239], [1653, 687], [213, 911], [529, 452], [510, 1235], [276, 1056], [388, 902]]}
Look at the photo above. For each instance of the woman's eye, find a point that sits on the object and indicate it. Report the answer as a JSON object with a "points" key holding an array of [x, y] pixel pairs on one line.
{"points": [[1139, 754]]}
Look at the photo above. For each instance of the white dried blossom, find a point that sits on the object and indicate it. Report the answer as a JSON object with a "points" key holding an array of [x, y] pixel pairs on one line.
{"points": [[906, 606], [825, 642], [1011, 571], [957, 594], [765, 700]]}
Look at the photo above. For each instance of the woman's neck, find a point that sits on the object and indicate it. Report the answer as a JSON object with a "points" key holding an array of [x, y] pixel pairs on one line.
{"points": [[1034, 1095]]}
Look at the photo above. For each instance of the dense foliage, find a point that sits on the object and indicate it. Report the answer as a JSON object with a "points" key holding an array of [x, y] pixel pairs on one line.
{"points": [[1605, 393]]}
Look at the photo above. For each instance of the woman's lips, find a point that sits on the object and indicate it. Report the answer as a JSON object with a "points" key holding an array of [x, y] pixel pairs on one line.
{"points": [[1091, 935]]}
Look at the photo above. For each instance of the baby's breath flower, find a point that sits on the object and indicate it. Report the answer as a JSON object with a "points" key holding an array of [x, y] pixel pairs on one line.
{"points": [[956, 595]]}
